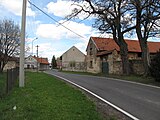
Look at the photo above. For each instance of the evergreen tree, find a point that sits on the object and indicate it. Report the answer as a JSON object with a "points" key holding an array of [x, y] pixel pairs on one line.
{"points": [[54, 63]]}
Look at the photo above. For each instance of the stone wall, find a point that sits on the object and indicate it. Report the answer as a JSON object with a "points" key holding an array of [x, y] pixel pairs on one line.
{"points": [[96, 64], [117, 67], [136, 67], [78, 66]]}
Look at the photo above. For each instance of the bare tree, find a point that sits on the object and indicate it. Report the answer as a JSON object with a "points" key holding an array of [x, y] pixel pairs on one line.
{"points": [[147, 14], [111, 17], [9, 41]]}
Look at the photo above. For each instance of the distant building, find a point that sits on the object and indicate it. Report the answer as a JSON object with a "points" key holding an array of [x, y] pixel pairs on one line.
{"points": [[73, 60], [59, 63], [103, 55], [31, 62]]}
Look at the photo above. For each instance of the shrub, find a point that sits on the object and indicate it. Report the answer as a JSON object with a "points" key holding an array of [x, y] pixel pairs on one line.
{"points": [[155, 67]]}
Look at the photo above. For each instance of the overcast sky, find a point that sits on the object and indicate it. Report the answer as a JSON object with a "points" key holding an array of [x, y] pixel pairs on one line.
{"points": [[53, 39]]}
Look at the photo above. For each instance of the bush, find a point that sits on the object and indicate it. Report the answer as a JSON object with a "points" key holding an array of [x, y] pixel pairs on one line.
{"points": [[155, 67]]}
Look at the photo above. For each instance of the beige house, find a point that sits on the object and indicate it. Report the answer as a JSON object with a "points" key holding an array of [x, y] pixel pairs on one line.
{"points": [[73, 60], [103, 55]]}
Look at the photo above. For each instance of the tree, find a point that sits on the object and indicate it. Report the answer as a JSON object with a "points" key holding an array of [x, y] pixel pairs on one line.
{"points": [[147, 15], [111, 17], [9, 41], [54, 63]]}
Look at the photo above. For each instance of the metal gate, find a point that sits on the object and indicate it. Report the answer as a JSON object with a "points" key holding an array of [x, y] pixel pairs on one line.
{"points": [[105, 67]]}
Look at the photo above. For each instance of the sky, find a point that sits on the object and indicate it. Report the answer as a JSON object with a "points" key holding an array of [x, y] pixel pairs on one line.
{"points": [[53, 39]]}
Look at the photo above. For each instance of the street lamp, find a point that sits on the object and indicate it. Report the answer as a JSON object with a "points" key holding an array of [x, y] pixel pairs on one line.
{"points": [[32, 44]]}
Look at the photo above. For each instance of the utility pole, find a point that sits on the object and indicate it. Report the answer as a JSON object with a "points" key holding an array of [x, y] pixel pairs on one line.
{"points": [[22, 45], [37, 57]]}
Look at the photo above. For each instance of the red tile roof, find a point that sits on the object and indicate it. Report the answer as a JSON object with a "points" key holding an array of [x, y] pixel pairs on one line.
{"points": [[42, 60], [108, 44]]}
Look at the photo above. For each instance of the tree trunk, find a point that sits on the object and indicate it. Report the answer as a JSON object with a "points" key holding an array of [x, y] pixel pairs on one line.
{"points": [[124, 57], [0, 67], [123, 51], [142, 41], [145, 56]]}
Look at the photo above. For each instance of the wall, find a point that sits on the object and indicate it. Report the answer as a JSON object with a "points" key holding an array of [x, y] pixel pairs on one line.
{"points": [[10, 64], [79, 66], [96, 64], [115, 64], [43, 67], [30, 62], [136, 67], [93, 62], [73, 60]]}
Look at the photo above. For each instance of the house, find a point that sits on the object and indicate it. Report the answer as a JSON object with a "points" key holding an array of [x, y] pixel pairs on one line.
{"points": [[73, 60], [59, 63], [103, 55], [31, 62]]}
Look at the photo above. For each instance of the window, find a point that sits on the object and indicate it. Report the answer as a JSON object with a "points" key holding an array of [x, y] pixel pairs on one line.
{"points": [[91, 51], [139, 54], [91, 64]]}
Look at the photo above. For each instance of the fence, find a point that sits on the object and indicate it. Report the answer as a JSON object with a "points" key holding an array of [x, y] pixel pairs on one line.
{"points": [[12, 75]]}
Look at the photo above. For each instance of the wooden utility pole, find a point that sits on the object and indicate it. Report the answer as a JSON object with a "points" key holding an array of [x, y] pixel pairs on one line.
{"points": [[37, 57], [22, 45]]}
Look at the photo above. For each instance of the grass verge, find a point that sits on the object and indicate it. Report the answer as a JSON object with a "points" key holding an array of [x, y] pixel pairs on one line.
{"points": [[133, 78], [46, 98]]}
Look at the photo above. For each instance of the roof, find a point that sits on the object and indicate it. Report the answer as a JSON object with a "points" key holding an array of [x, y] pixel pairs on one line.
{"points": [[42, 60], [73, 47], [108, 44]]}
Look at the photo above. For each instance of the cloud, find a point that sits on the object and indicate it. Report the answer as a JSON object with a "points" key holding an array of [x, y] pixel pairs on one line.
{"points": [[15, 7], [53, 31], [62, 8], [54, 8]]}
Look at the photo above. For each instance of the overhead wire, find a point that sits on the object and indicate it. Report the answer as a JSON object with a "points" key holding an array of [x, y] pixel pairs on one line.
{"points": [[55, 20]]}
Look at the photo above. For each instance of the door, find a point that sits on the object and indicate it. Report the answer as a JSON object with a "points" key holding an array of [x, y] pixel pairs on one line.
{"points": [[105, 67]]}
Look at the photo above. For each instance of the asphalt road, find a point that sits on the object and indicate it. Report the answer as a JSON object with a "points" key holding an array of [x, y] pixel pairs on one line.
{"points": [[141, 101]]}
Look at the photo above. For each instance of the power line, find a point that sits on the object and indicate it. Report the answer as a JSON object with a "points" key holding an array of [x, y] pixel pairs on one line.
{"points": [[55, 19]]}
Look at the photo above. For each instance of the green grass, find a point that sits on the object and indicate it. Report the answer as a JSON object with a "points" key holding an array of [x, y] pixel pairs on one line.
{"points": [[3, 78], [46, 98], [133, 78]]}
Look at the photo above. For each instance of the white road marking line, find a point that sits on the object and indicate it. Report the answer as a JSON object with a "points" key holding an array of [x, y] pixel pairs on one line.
{"points": [[109, 103]]}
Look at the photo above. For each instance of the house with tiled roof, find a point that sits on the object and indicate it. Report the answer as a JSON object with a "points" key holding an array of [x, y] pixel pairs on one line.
{"points": [[31, 62], [103, 55]]}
